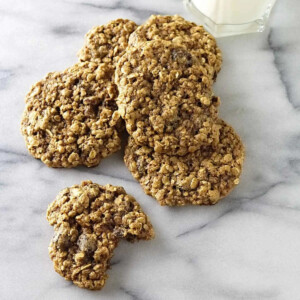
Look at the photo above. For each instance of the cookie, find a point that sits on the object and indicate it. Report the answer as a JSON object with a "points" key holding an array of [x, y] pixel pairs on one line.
{"points": [[89, 220], [202, 177], [165, 98], [180, 31], [107, 43], [71, 117]]}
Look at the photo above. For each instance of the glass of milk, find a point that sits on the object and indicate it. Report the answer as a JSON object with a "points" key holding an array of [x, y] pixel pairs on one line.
{"points": [[231, 17]]}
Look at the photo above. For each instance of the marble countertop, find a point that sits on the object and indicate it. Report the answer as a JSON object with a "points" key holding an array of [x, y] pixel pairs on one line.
{"points": [[245, 247]]}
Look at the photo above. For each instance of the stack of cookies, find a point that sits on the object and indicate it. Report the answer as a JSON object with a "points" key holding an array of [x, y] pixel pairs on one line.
{"points": [[178, 149], [156, 80]]}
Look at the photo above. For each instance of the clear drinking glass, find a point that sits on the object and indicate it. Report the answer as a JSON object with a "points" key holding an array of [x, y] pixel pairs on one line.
{"points": [[231, 17]]}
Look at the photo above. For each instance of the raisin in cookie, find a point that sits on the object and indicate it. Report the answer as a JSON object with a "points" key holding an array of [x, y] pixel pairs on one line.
{"points": [[71, 117], [202, 177], [178, 30], [89, 220], [165, 98], [107, 43]]}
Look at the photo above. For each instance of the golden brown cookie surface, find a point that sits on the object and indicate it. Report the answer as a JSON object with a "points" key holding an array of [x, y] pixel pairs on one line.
{"points": [[70, 117], [107, 43], [89, 220], [202, 177], [180, 31], [165, 98]]}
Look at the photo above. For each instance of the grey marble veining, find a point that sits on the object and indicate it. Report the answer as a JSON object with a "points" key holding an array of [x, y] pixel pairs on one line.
{"points": [[245, 247]]}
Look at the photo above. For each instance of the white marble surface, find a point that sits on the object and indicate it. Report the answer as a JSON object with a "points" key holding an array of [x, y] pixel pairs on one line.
{"points": [[246, 247]]}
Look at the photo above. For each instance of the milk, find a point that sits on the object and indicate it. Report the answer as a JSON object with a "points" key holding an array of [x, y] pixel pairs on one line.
{"points": [[234, 11]]}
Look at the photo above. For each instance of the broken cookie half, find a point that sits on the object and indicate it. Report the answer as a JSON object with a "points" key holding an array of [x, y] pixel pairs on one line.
{"points": [[89, 220]]}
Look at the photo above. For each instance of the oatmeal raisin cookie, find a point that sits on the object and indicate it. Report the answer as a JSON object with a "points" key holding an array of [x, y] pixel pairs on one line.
{"points": [[165, 98], [71, 117], [202, 177]]}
